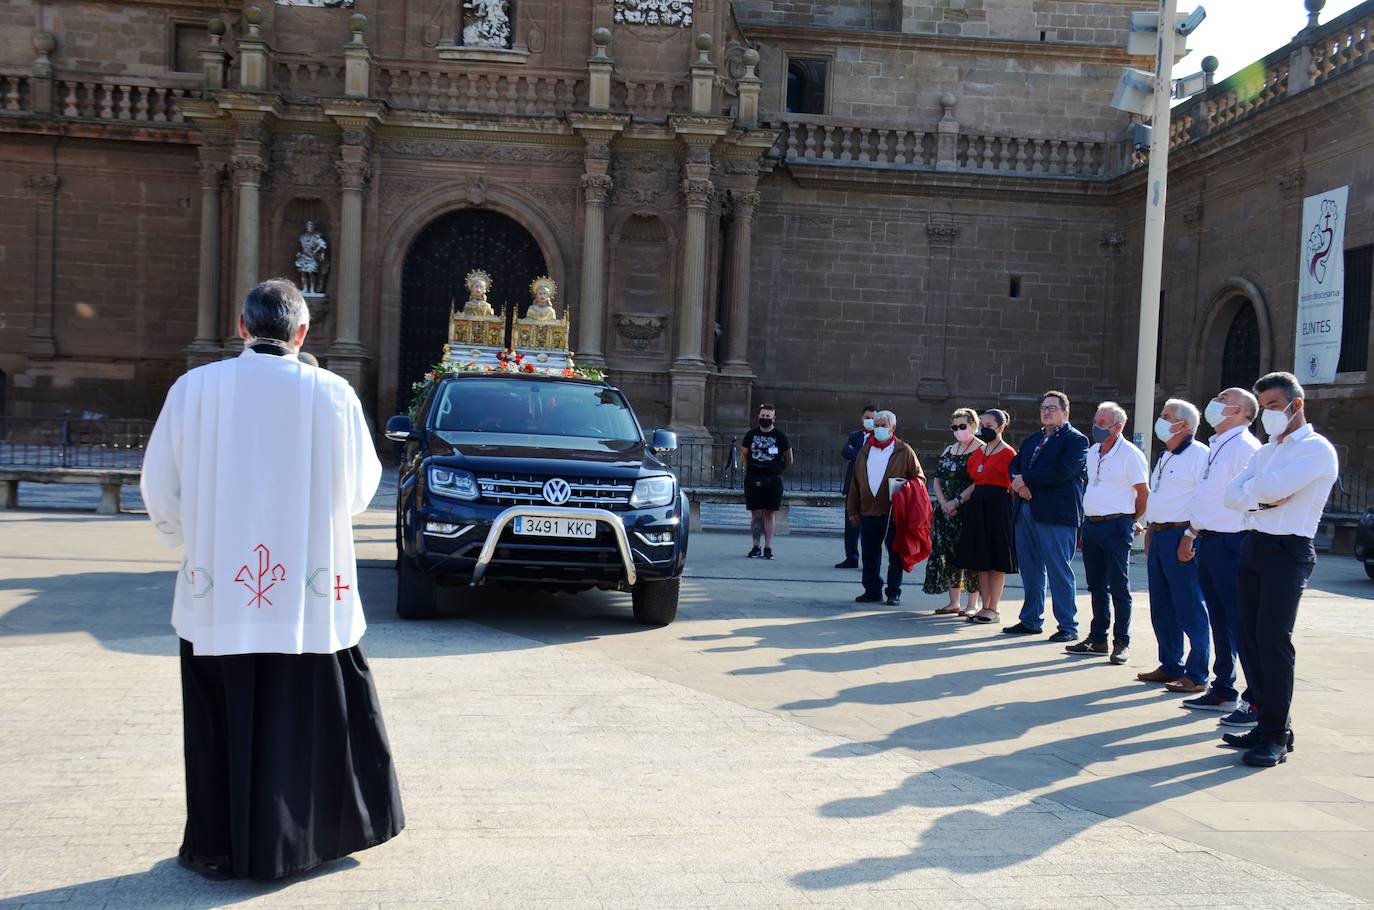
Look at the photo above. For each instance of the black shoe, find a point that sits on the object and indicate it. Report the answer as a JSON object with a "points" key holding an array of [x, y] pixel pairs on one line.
{"points": [[214, 870], [1062, 636], [1120, 653], [755, 553], [1267, 754], [1250, 739], [893, 600], [847, 564], [1088, 646], [767, 552], [1020, 629], [868, 599]]}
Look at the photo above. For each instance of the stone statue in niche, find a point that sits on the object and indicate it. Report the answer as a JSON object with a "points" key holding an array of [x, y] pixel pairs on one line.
{"points": [[479, 285], [312, 262], [542, 290], [654, 12], [487, 23]]}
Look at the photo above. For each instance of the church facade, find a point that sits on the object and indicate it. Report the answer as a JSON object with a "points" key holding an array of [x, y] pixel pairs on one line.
{"points": [[923, 203]]}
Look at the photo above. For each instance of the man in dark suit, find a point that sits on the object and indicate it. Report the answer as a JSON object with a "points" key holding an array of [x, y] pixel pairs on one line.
{"points": [[1049, 474], [851, 450]]}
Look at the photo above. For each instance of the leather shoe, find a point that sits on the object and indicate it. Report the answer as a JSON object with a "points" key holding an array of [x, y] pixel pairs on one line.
{"points": [[868, 599], [1250, 739], [1061, 637], [847, 564], [1185, 687], [1267, 754], [893, 600], [1156, 676], [1020, 629]]}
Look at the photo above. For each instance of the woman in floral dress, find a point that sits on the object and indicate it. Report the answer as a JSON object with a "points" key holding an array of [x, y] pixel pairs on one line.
{"points": [[951, 477]]}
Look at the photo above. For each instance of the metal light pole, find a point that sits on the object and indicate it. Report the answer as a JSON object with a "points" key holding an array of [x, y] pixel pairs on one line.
{"points": [[1156, 192]]}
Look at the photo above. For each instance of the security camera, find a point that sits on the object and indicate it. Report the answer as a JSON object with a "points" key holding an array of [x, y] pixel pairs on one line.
{"points": [[1190, 24], [1190, 85], [1135, 92]]}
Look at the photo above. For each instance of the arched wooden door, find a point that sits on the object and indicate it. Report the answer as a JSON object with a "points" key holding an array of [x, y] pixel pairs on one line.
{"points": [[432, 281], [1240, 355]]}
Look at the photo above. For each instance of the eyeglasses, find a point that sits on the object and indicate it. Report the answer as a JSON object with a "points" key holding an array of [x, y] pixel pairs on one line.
{"points": [[1048, 407], [958, 426]]}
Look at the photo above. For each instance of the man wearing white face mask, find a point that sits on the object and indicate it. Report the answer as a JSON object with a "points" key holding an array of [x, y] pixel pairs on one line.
{"points": [[1176, 606], [1281, 493], [1215, 536], [869, 506]]}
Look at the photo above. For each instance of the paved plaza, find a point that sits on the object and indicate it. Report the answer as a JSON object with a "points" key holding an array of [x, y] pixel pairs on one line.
{"points": [[775, 747]]}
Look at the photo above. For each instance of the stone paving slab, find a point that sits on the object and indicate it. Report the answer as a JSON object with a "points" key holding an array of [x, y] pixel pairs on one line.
{"points": [[534, 774]]}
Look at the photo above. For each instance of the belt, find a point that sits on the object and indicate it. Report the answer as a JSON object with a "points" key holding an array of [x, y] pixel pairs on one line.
{"points": [[1164, 525], [1108, 517], [1203, 532]]}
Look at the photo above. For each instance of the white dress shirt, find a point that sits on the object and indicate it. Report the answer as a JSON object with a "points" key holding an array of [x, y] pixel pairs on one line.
{"points": [[1227, 456], [877, 465], [1174, 482], [1302, 468], [1112, 478]]}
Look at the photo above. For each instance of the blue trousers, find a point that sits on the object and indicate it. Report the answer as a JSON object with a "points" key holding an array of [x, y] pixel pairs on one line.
{"points": [[1106, 562], [1218, 564], [1045, 554], [875, 536], [1177, 610]]}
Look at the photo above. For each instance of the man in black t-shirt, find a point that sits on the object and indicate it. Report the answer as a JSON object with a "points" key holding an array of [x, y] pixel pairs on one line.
{"points": [[766, 453]]}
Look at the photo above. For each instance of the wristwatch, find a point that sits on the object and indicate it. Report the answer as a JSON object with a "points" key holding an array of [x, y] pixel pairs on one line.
{"points": [[1189, 532]]}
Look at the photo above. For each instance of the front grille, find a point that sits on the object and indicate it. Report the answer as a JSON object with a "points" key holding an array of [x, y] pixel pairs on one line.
{"points": [[528, 489]]}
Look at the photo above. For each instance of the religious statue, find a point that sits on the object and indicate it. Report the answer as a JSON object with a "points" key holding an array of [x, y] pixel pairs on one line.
{"points": [[489, 23], [543, 289], [479, 285], [312, 262]]}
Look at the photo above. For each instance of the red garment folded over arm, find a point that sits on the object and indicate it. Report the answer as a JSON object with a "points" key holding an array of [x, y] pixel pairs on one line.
{"points": [[911, 514]]}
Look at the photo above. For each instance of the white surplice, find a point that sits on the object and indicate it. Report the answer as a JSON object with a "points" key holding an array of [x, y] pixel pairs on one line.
{"points": [[257, 465]]}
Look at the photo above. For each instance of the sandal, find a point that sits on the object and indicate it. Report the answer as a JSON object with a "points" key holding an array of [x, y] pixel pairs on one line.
{"points": [[968, 612], [947, 611], [984, 617]]}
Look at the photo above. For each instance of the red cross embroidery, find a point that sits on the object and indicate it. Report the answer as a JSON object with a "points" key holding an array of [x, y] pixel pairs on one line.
{"points": [[264, 580], [339, 587]]}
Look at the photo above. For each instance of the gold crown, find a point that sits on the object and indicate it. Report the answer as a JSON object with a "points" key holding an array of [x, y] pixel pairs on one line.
{"points": [[477, 273], [546, 282]]}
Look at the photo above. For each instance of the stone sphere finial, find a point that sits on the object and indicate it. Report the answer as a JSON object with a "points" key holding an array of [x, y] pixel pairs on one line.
{"points": [[216, 27], [253, 16], [601, 36], [751, 57], [948, 101], [44, 43], [1210, 64], [1315, 6], [358, 24], [702, 42]]}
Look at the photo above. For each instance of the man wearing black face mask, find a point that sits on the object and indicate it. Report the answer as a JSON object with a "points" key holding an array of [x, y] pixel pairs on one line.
{"points": [[766, 453]]}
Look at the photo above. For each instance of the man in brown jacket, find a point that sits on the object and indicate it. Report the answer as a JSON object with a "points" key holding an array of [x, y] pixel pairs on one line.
{"points": [[883, 458]]}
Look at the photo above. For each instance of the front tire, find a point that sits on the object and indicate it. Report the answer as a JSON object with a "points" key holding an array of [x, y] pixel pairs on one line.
{"points": [[1369, 569], [417, 593], [655, 602]]}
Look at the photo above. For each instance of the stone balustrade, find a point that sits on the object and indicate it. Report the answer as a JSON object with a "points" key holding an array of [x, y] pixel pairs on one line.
{"points": [[1030, 156], [1344, 45], [303, 79], [648, 100], [96, 99], [444, 90], [14, 92]]}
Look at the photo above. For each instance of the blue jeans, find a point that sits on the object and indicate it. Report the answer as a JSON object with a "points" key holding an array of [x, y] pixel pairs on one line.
{"points": [[875, 536], [1045, 553], [1218, 564], [1106, 562], [1177, 610]]}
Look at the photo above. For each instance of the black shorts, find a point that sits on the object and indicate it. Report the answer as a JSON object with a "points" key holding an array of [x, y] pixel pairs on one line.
{"points": [[763, 492]]}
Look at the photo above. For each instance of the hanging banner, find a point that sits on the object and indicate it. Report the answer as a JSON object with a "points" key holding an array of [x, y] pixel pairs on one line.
{"points": [[1321, 286]]}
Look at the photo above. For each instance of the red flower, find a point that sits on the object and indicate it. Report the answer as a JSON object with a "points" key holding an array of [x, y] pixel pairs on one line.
{"points": [[529, 368]]}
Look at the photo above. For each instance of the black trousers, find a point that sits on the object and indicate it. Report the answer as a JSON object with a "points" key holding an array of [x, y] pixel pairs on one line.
{"points": [[851, 534], [875, 537], [1273, 574]]}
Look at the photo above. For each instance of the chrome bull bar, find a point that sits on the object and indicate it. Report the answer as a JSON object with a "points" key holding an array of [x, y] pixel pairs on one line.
{"points": [[498, 526]]}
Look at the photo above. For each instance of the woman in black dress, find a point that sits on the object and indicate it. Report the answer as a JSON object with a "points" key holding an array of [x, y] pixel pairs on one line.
{"points": [[986, 542]]}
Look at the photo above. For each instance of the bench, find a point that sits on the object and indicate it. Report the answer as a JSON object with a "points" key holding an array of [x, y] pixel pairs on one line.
{"points": [[109, 479], [728, 496]]}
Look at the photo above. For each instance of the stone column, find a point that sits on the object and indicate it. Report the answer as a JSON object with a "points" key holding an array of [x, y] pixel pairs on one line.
{"points": [[698, 192], [249, 169], [934, 384], [347, 354], [207, 346], [591, 327], [742, 245], [42, 188]]}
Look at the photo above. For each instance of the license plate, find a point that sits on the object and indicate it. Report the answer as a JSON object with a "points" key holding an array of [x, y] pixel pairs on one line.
{"points": [[531, 526]]}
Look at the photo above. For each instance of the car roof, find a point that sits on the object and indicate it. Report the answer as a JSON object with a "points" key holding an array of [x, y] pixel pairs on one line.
{"points": [[527, 377]]}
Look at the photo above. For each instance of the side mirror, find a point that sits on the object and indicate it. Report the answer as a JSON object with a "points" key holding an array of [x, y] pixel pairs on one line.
{"points": [[663, 441], [398, 428]]}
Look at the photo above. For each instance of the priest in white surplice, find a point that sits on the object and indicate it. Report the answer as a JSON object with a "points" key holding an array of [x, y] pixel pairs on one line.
{"points": [[256, 466]]}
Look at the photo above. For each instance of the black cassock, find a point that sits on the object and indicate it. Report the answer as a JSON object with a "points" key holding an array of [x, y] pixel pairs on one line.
{"points": [[287, 762]]}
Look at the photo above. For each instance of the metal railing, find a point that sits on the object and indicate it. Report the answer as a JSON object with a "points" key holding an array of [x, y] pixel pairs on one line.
{"points": [[717, 466], [43, 442], [1352, 494]]}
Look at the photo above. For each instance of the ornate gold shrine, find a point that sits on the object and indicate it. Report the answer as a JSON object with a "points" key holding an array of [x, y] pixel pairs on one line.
{"points": [[476, 333]]}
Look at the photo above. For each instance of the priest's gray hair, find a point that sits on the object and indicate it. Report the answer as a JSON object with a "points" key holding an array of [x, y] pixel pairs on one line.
{"points": [[275, 309], [890, 417], [1185, 411]]}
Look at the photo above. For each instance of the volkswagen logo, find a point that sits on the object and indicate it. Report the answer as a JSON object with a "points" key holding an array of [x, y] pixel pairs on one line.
{"points": [[557, 491]]}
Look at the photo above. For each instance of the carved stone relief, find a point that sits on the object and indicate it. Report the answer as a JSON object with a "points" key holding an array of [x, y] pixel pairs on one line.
{"points": [[303, 161], [654, 12], [645, 181], [479, 151]]}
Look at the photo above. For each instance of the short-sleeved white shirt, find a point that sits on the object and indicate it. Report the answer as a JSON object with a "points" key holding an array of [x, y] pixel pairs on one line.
{"points": [[1112, 478]]}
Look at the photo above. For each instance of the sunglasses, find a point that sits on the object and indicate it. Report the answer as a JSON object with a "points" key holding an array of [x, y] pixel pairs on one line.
{"points": [[958, 426]]}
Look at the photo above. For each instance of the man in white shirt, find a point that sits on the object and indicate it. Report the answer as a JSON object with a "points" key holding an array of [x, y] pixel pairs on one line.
{"points": [[1118, 488], [1215, 538], [1281, 493], [257, 464], [1176, 607]]}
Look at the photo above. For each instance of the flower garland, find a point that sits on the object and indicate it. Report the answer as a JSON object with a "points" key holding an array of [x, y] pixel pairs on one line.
{"points": [[507, 361]]}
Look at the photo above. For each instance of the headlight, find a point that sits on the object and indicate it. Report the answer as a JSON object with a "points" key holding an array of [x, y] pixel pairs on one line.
{"points": [[453, 483], [653, 491]]}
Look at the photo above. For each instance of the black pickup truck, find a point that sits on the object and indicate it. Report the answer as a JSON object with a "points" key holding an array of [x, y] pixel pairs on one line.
{"points": [[537, 482]]}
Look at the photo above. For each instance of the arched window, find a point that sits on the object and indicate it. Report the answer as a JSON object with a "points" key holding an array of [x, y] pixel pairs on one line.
{"points": [[1240, 357], [806, 86]]}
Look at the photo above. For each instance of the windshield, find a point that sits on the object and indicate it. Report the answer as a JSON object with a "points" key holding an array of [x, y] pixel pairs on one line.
{"points": [[534, 413]]}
